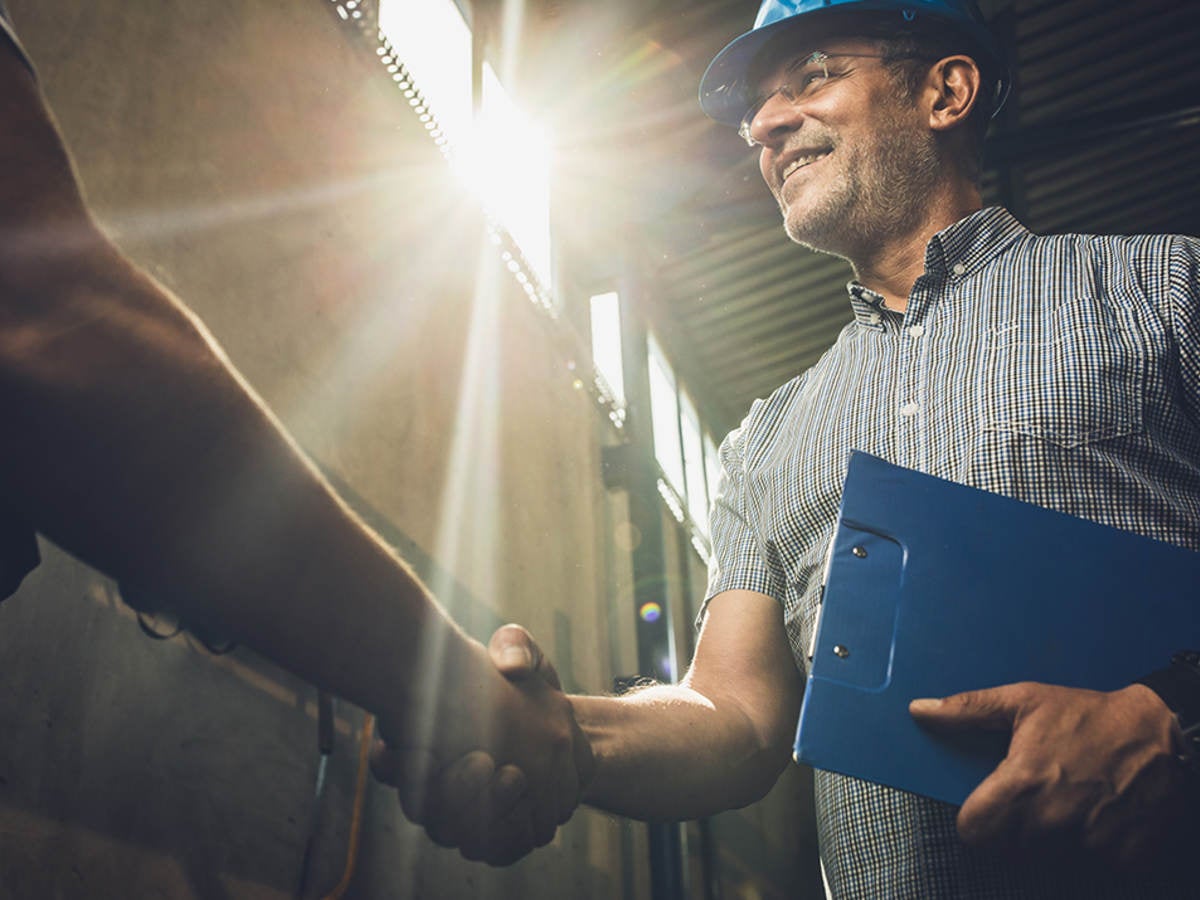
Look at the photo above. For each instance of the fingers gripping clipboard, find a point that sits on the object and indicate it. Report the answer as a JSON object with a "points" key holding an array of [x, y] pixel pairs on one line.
{"points": [[935, 588]]}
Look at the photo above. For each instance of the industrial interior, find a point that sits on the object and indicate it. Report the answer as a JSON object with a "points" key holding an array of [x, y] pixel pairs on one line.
{"points": [[509, 289]]}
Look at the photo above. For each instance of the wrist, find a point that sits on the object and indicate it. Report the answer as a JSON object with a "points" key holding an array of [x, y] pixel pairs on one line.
{"points": [[611, 729], [1178, 687], [448, 692]]}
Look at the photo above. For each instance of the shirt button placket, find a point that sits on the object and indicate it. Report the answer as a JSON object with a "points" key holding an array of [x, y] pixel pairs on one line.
{"points": [[909, 439]]}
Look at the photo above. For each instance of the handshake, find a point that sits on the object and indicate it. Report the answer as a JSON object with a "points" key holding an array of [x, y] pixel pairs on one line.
{"points": [[491, 759]]}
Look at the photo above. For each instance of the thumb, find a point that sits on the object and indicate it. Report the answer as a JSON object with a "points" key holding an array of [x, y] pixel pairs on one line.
{"points": [[518, 657], [994, 709]]}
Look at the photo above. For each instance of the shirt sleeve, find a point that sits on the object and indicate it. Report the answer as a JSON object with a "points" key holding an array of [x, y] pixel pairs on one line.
{"points": [[737, 561], [1185, 318]]}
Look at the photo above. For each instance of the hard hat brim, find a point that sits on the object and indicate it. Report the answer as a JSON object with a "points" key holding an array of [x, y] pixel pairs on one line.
{"points": [[724, 88]]}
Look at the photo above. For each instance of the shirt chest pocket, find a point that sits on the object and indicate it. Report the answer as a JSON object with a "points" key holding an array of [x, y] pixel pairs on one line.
{"points": [[1071, 379]]}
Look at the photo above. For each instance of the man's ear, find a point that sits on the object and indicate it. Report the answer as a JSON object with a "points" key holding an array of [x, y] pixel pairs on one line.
{"points": [[953, 86]]}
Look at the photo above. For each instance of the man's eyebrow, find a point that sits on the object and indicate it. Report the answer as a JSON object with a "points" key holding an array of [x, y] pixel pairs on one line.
{"points": [[802, 60]]}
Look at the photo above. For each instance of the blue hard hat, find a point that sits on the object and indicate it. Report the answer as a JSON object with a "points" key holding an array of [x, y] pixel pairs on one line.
{"points": [[725, 90]]}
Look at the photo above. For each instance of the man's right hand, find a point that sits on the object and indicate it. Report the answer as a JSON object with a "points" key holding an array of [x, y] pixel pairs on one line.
{"points": [[506, 796]]}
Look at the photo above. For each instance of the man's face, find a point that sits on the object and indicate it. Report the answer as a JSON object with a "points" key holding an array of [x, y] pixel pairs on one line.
{"points": [[848, 159]]}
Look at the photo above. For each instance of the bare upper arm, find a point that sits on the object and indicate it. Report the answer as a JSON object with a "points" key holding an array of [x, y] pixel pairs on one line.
{"points": [[743, 658], [38, 184]]}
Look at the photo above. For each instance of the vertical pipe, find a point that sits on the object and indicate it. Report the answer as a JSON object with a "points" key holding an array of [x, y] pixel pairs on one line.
{"points": [[654, 640], [709, 871], [645, 514]]}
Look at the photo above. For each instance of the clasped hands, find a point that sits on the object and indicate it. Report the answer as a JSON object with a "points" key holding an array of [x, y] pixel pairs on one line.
{"points": [[497, 783]]}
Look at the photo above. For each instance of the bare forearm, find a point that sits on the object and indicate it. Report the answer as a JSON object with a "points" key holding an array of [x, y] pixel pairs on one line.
{"points": [[670, 753], [143, 452], [139, 448]]}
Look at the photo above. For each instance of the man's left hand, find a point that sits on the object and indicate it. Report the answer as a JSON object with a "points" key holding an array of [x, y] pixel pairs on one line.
{"points": [[1084, 770]]}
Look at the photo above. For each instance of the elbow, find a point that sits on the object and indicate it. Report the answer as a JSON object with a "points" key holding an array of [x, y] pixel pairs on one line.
{"points": [[43, 251], [48, 288], [766, 739], [749, 775], [760, 775]]}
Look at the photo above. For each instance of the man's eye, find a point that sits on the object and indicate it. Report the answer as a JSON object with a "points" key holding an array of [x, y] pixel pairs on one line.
{"points": [[806, 80]]}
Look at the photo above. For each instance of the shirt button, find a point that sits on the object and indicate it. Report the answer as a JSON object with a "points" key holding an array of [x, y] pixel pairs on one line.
{"points": [[916, 331], [959, 269], [909, 409], [874, 318]]}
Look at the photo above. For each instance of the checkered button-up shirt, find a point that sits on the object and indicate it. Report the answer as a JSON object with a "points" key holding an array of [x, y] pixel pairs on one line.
{"points": [[1062, 371]]}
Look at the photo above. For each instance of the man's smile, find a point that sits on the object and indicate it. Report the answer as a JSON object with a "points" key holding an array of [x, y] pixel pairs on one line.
{"points": [[804, 159]]}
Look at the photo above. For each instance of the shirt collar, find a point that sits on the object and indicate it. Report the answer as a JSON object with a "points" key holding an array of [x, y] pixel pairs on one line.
{"points": [[965, 247], [972, 242], [867, 304]]}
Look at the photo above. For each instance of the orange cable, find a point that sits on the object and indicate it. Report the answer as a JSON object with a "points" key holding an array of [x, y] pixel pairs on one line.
{"points": [[360, 791]]}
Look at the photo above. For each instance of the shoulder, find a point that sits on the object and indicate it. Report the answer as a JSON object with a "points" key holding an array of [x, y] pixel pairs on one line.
{"points": [[1135, 249], [767, 412], [757, 429], [1104, 265], [1101, 246], [778, 411]]}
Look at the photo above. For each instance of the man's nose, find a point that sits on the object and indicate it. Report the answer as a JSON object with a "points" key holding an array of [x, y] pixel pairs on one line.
{"points": [[775, 119]]}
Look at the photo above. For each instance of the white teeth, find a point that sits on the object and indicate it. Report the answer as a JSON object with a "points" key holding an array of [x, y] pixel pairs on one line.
{"points": [[801, 162]]}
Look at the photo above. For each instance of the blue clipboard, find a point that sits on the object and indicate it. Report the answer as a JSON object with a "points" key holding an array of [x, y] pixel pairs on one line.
{"points": [[934, 588]]}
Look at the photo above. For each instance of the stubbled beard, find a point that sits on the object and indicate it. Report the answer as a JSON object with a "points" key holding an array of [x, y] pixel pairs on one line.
{"points": [[881, 193]]}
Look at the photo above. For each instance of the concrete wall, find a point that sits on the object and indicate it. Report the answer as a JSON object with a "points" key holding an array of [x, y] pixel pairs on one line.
{"points": [[256, 160]]}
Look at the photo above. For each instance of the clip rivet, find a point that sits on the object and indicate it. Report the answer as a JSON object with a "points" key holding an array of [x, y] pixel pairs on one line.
{"points": [[860, 552], [841, 652]]}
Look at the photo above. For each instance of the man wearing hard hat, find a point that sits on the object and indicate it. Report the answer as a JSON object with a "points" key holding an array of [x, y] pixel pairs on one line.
{"points": [[1063, 371]]}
